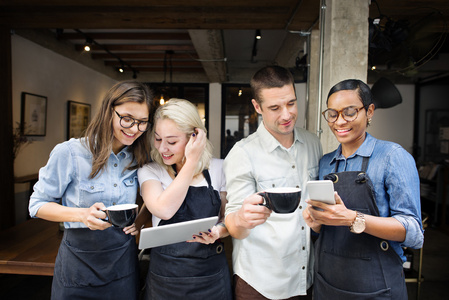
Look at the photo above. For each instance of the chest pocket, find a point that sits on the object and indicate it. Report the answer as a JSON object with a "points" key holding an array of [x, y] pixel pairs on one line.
{"points": [[90, 192], [130, 182], [130, 190]]}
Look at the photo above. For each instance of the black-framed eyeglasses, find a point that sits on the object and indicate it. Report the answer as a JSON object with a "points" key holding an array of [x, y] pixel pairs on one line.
{"points": [[128, 122], [349, 114]]}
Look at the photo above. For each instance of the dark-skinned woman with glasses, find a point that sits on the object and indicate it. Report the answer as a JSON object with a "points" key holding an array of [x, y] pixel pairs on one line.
{"points": [[358, 254], [84, 176]]}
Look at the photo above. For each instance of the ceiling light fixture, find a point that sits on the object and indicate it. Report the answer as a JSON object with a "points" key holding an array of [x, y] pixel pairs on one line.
{"points": [[240, 92], [254, 52], [167, 64], [88, 44], [90, 41]]}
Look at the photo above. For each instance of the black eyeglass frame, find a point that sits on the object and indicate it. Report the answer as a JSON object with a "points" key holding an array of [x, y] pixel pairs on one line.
{"points": [[340, 112], [134, 121]]}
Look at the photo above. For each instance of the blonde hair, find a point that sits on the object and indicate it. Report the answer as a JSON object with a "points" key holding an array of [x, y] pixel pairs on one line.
{"points": [[186, 117], [99, 133]]}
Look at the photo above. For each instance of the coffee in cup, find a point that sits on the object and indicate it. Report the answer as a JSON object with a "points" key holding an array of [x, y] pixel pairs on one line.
{"points": [[282, 200], [122, 215]]}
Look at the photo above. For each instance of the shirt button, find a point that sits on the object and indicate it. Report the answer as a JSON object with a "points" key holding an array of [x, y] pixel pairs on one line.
{"points": [[132, 181], [115, 184], [300, 207], [273, 185], [293, 166], [115, 165], [113, 203], [303, 267], [303, 248], [302, 228], [297, 186], [92, 187]]}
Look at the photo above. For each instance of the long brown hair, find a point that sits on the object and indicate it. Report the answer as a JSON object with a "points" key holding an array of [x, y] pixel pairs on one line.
{"points": [[99, 133]]}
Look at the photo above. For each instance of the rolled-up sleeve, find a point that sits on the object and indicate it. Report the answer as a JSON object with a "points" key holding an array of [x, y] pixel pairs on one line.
{"points": [[53, 179], [239, 181], [405, 202], [414, 237]]}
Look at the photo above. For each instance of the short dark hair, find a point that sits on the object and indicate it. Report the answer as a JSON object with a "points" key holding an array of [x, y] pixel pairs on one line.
{"points": [[363, 90], [270, 77]]}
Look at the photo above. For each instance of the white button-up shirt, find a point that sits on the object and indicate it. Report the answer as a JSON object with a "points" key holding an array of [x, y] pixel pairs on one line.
{"points": [[276, 258]]}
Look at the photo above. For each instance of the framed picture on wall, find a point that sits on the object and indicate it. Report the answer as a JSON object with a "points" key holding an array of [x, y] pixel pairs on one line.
{"points": [[33, 115], [78, 117]]}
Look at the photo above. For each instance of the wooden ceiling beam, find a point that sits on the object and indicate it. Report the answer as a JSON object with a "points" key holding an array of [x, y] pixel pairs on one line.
{"points": [[157, 56], [137, 64], [128, 36], [138, 47]]}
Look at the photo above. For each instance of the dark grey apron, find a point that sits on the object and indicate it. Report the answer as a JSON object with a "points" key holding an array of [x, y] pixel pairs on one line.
{"points": [[190, 270], [351, 266], [96, 264]]}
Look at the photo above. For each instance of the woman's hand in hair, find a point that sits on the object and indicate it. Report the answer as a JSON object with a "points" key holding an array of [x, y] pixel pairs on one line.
{"points": [[196, 145]]}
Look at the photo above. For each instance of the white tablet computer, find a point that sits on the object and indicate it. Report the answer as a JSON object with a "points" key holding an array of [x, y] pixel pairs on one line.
{"points": [[174, 233]]}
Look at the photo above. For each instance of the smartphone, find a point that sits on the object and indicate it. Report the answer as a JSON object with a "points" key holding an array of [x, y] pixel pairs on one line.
{"points": [[321, 190]]}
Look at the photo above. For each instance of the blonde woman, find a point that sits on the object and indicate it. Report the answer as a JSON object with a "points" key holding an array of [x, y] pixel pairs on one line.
{"points": [[185, 183]]}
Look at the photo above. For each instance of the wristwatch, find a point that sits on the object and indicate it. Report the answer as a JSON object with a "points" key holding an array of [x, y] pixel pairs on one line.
{"points": [[358, 226]]}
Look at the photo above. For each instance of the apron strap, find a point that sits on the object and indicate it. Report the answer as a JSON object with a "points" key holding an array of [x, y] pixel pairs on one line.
{"points": [[207, 176], [365, 164]]}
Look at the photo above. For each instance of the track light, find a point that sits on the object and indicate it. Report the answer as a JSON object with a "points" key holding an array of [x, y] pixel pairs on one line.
{"points": [[88, 44], [162, 100], [240, 92], [258, 35]]}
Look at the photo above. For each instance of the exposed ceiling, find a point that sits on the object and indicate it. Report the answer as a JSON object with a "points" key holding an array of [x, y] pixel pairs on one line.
{"points": [[214, 41]]}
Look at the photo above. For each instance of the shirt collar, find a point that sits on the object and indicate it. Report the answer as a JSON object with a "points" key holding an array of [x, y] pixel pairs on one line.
{"points": [[126, 153], [269, 141], [365, 150]]}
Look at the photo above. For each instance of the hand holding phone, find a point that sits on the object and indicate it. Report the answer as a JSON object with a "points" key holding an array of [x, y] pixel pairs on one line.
{"points": [[321, 190]]}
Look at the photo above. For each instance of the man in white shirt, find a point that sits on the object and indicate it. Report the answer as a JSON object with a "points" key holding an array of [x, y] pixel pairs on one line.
{"points": [[272, 255]]}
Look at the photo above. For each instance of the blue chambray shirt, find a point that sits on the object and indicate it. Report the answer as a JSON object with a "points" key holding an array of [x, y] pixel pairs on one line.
{"points": [[396, 184], [65, 178]]}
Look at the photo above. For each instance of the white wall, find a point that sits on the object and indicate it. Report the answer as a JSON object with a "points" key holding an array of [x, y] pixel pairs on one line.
{"points": [[395, 124], [38, 70]]}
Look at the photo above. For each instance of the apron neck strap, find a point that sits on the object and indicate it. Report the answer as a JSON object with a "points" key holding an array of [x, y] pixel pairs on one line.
{"points": [[207, 176]]}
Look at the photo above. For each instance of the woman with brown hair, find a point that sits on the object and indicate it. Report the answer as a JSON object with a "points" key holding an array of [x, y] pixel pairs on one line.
{"points": [[83, 177]]}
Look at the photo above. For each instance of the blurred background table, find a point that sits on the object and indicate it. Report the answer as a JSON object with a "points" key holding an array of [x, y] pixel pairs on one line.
{"points": [[30, 248]]}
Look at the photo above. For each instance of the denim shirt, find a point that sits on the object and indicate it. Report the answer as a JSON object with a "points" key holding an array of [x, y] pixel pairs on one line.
{"points": [[65, 180], [276, 258], [396, 184]]}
